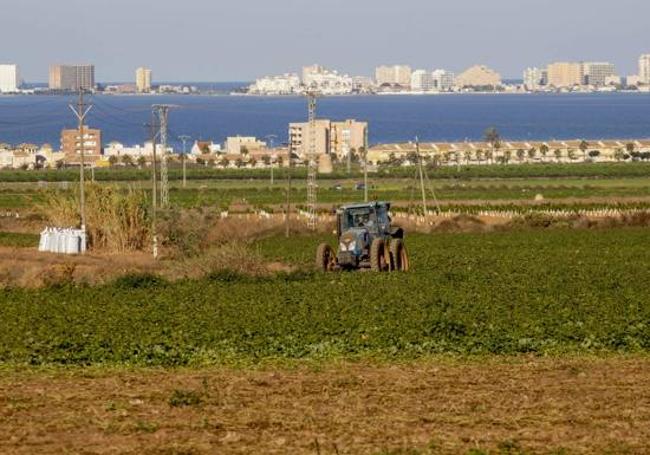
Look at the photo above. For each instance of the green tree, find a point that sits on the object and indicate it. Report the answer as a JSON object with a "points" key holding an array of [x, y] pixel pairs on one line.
{"points": [[142, 161], [112, 160], [127, 160], [630, 147], [558, 154]]}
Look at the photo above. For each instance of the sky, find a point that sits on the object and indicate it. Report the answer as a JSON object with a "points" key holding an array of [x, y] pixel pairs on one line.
{"points": [[226, 40]]}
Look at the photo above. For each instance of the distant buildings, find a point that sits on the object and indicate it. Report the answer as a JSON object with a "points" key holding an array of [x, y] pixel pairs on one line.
{"points": [[338, 138], [571, 74], [644, 69], [236, 145], [143, 80], [597, 73], [421, 81], [565, 74], [443, 80], [9, 79], [534, 78], [478, 76], [325, 81], [287, 84], [71, 142], [72, 77], [399, 75]]}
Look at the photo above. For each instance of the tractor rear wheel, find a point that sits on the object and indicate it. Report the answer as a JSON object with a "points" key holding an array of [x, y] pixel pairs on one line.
{"points": [[378, 256], [325, 258], [399, 260]]}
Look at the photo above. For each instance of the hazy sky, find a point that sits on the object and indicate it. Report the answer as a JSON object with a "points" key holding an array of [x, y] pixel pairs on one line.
{"points": [[225, 40]]}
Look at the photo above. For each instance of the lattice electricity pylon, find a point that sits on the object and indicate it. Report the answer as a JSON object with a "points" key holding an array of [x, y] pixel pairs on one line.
{"points": [[162, 111], [312, 159]]}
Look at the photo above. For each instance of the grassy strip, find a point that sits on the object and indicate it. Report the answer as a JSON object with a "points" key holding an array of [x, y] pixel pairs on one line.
{"points": [[19, 240], [639, 169], [546, 292]]}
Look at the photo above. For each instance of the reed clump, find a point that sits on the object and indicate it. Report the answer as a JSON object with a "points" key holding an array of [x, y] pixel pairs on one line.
{"points": [[117, 220]]}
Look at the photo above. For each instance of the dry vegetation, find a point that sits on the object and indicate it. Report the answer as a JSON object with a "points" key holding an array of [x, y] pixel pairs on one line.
{"points": [[500, 405]]}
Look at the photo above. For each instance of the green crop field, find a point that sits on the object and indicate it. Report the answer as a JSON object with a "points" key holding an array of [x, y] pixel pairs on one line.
{"points": [[543, 292]]}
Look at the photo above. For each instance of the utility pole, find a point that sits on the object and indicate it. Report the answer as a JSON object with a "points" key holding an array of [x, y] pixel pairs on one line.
{"points": [[184, 140], [365, 166], [162, 111], [288, 206], [154, 189], [270, 138], [421, 171], [312, 159], [81, 111]]}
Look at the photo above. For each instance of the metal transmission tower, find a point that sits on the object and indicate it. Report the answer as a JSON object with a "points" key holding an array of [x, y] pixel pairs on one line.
{"points": [[162, 111], [81, 110], [312, 159]]}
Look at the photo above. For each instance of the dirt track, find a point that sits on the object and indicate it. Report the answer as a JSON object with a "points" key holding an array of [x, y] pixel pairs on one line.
{"points": [[539, 406]]}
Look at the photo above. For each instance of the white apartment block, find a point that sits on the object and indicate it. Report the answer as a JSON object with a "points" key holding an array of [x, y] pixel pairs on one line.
{"points": [[421, 81], [286, 84], [644, 69], [325, 81], [393, 75], [9, 79], [443, 80], [533, 78]]}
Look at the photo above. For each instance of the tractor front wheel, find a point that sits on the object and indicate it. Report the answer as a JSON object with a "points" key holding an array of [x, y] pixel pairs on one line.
{"points": [[399, 260], [325, 258], [378, 261]]}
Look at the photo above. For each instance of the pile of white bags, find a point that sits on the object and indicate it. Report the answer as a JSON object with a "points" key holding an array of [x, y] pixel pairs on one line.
{"points": [[64, 241]]}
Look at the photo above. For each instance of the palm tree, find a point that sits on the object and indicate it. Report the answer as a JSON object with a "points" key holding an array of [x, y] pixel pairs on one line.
{"points": [[112, 160], [630, 146], [141, 161], [506, 156], [558, 154], [468, 156], [543, 149], [127, 160], [571, 154], [619, 154], [493, 138], [584, 145], [479, 156], [521, 153], [531, 153]]}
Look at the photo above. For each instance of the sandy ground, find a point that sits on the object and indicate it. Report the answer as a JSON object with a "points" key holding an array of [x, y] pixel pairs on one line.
{"points": [[500, 405]]}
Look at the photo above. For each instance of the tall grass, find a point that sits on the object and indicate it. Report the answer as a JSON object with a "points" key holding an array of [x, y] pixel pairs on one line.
{"points": [[116, 220]]}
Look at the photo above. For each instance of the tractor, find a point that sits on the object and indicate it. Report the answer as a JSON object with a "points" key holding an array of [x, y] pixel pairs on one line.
{"points": [[366, 240]]}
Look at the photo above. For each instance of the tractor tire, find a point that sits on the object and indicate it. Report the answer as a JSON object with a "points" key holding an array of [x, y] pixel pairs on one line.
{"points": [[378, 256], [399, 261], [325, 258]]}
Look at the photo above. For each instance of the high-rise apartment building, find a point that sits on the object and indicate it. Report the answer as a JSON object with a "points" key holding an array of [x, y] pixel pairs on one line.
{"points": [[9, 79], [479, 76], [393, 75], [597, 73], [143, 80], [338, 138], [443, 80], [72, 77], [533, 78], [644, 69], [421, 81], [71, 143], [565, 74]]}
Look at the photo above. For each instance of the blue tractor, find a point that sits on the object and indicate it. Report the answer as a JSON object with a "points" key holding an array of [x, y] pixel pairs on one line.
{"points": [[366, 240]]}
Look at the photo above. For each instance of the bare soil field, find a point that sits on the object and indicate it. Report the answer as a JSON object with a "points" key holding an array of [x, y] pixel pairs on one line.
{"points": [[484, 405]]}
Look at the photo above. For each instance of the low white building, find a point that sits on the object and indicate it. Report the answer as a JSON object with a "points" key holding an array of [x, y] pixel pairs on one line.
{"points": [[235, 145], [118, 149], [325, 81]]}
